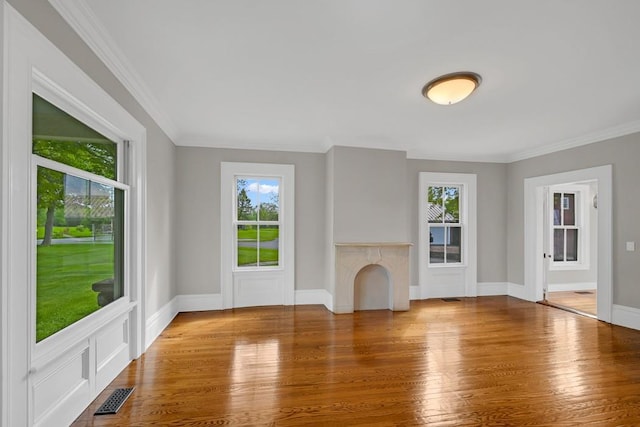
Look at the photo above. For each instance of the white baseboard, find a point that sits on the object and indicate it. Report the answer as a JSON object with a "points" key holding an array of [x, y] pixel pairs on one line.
{"points": [[486, 289], [518, 291], [483, 289], [199, 302], [312, 296], [158, 321], [628, 317], [565, 287], [414, 292]]}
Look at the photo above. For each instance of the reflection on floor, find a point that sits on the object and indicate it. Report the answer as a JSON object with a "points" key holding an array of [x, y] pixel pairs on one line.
{"points": [[584, 301]]}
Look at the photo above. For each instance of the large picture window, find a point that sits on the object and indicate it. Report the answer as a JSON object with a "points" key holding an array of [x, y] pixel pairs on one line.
{"points": [[445, 224], [257, 222], [80, 226]]}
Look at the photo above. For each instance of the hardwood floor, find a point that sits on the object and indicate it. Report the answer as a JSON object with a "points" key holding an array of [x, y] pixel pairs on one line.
{"points": [[585, 302], [480, 361]]}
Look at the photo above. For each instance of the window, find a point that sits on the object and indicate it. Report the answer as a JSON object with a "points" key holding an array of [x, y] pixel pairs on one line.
{"points": [[566, 230], [445, 224], [257, 222], [80, 226]]}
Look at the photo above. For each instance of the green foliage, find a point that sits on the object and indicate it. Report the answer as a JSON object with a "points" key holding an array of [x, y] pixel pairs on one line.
{"points": [[64, 232], [65, 274], [449, 199]]}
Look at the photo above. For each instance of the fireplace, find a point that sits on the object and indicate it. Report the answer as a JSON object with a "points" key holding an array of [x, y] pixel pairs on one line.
{"points": [[371, 276]]}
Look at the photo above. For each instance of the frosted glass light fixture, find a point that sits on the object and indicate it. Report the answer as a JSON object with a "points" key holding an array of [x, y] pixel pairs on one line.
{"points": [[451, 88]]}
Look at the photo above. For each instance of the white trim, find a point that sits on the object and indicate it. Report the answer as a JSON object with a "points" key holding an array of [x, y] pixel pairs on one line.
{"points": [[582, 224], [492, 288], [312, 296], [517, 290], [578, 286], [586, 139], [533, 233], [629, 317], [229, 170], [158, 321], [414, 292], [468, 214], [199, 302], [81, 18], [31, 61]]}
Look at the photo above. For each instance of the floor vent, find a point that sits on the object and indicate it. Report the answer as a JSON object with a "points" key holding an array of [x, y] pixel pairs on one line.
{"points": [[584, 292], [450, 299], [115, 401]]}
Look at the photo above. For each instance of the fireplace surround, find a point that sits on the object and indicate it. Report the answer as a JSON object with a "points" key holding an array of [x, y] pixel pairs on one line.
{"points": [[352, 258]]}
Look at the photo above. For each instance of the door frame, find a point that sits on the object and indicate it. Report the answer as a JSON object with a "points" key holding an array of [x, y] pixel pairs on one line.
{"points": [[534, 233], [228, 171]]}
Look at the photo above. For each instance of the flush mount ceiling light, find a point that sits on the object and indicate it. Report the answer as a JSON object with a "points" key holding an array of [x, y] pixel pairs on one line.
{"points": [[451, 88]]}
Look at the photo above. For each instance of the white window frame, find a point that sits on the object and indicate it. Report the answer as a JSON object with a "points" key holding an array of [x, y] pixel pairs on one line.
{"points": [[228, 245], [468, 184], [34, 64], [582, 219], [257, 223]]}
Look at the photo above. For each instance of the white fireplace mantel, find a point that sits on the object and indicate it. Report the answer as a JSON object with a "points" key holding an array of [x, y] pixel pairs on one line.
{"points": [[350, 258]]}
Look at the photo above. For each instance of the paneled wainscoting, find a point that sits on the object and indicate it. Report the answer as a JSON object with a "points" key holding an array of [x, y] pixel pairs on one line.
{"points": [[478, 361]]}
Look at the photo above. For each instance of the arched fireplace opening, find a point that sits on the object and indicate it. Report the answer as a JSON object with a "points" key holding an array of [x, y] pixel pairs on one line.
{"points": [[372, 288]]}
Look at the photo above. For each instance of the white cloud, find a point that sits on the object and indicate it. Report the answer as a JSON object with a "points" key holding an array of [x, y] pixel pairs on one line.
{"points": [[264, 188]]}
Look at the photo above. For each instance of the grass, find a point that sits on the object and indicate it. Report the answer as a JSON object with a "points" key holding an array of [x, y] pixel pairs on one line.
{"points": [[266, 234], [65, 274], [248, 256]]}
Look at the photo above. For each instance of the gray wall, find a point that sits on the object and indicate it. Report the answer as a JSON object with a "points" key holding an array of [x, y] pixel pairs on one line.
{"points": [[160, 222], [492, 213], [198, 200], [623, 153], [369, 195]]}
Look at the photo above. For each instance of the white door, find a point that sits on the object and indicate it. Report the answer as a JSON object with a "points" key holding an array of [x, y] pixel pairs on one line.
{"points": [[447, 249], [257, 226]]}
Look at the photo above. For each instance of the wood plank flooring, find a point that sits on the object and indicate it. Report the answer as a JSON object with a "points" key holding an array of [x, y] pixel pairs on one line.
{"points": [[480, 361], [586, 303]]}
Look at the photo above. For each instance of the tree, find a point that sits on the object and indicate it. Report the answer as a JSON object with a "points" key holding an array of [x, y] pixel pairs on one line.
{"points": [[94, 157], [245, 208]]}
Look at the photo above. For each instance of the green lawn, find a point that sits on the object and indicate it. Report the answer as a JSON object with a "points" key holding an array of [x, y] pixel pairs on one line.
{"points": [[266, 234], [248, 256], [65, 274]]}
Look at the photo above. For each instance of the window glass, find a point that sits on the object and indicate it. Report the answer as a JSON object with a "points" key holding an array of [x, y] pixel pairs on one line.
{"points": [[454, 240], [565, 227], [558, 244], [79, 221], [80, 249], [437, 245], [257, 221], [569, 209], [572, 245], [452, 204], [443, 207], [60, 137]]}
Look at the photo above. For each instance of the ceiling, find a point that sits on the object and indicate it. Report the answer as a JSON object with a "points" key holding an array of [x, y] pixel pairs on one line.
{"points": [[306, 75]]}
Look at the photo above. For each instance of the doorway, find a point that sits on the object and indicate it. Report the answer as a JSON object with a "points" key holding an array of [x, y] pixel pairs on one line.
{"points": [[570, 246], [537, 241]]}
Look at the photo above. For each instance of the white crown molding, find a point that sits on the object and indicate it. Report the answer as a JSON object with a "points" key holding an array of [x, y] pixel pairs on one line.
{"points": [[476, 158], [590, 138], [82, 19]]}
